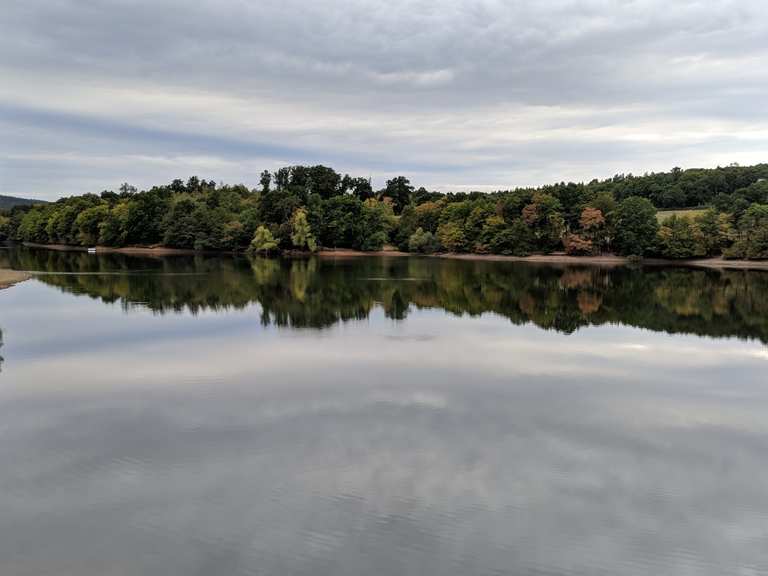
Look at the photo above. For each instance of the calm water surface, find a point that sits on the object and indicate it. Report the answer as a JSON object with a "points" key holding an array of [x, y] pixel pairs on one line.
{"points": [[204, 416]]}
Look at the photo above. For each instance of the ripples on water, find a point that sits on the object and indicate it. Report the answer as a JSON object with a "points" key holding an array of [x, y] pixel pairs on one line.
{"points": [[230, 416]]}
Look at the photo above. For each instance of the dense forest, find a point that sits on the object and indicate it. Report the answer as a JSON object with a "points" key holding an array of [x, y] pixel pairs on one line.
{"points": [[319, 293], [303, 208]]}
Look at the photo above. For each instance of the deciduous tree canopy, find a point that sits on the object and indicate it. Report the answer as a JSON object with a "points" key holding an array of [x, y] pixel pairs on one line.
{"points": [[303, 207]]}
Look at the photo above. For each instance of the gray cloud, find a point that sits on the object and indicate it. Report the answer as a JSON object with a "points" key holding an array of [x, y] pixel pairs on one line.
{"points": [[460, 95]]}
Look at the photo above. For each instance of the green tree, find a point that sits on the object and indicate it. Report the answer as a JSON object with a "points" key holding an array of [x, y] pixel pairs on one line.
{"points": [[323, 181], [636, 226], [607, 214], [180, 226], [678, 238], [473, 226], [399, 191], [715, 232], [60, 223], [428, 216], [112, 229], [545, 219], [32, 226], [752, 240], [405, 226], [88, 224], [263, 242], [359, 187], [143, 221], [451, 236], [5, 223], [301, 233], [340, 222], [423, 242], [376, 222], [515, 239], [265, 181], [605, 202]]}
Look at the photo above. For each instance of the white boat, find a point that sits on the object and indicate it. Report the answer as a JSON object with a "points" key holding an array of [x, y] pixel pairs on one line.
{"points": [[91, 250]]}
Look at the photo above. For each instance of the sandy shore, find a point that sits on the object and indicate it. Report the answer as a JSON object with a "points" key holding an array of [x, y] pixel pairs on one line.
{"points": [[613, 260], [136, 250], [348, 253], [10, 277], [606, 260]]}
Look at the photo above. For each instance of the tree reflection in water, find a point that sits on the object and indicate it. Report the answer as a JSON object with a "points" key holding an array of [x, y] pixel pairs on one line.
{"points": [[318, 292]]}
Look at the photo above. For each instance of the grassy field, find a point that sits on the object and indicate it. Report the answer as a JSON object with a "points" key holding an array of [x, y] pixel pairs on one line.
{"points": [[662, 215]]}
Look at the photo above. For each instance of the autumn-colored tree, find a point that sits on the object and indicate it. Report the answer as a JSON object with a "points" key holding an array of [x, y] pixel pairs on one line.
{"points": [[677, 238], [594, 227], [577, 245], [451, 236], [591, 219], [428, 216], [589, 302], [544, 217]]}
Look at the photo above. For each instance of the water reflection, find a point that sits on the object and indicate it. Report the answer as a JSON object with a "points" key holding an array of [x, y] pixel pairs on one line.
{"points": [[318, 293], [185, 437]]}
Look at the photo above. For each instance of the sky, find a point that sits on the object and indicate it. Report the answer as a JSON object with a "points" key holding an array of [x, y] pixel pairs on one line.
{"points": [[455, 94]]}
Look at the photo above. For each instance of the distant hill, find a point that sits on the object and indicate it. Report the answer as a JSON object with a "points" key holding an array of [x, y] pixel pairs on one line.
{"points": [[8, 202]]}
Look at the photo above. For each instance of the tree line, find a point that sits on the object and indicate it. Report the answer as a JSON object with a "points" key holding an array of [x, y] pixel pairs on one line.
{"points": [[306, 207]]}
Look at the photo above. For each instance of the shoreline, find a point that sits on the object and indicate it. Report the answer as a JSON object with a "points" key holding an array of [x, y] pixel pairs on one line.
{"points": [[130, 250], [610, 260], [607, 260], [350, 253], [10, 278]]}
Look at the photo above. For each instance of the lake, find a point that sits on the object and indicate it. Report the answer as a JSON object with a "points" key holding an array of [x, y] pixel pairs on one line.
{"points": [[380, 416]]}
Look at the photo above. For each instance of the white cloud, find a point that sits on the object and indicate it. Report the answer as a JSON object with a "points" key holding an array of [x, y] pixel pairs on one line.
{"points": [[470, 95]]}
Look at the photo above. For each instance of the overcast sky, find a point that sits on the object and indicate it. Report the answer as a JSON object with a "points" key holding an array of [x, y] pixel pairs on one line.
{"points": [[455, 94]]}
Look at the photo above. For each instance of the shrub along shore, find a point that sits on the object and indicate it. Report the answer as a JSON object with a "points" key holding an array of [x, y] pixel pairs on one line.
{"points": [[314, 208]]}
